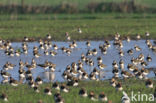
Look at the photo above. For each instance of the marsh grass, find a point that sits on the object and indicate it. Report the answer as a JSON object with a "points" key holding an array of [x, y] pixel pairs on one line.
{"points": [[103, 26], [24, 94]]}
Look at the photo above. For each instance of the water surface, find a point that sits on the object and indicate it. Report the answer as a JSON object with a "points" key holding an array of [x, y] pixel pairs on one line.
{"points": [[62, 60]]}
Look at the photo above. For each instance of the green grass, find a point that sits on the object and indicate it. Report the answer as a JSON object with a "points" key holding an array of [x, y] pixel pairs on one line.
{"points": [[94, 27], [24, 94], [76, 16], [80, 3]]}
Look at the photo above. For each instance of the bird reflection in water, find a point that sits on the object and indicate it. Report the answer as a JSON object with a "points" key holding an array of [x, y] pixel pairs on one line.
{"points": [[48, 76]]}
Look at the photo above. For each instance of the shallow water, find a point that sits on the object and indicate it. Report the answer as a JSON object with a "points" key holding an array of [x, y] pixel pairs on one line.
{"points": [[62, 60]]}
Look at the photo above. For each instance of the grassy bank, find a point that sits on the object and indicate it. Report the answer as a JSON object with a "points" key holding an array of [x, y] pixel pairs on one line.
{"points": [[94, 27], [24, 94]]}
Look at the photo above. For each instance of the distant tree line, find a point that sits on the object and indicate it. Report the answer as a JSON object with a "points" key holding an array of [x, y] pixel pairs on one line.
{"points": [[92, 7]]}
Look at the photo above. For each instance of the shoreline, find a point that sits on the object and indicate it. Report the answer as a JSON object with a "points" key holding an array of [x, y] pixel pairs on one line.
{"points": [[110, 38]]}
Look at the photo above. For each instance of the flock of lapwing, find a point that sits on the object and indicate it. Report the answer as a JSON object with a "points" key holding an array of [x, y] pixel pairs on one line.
{"points": [[75, 72]]}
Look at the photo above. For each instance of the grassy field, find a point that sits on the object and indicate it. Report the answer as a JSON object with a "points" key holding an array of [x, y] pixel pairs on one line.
{"points": [[24, 94], [80, 3], [94, 26]]}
